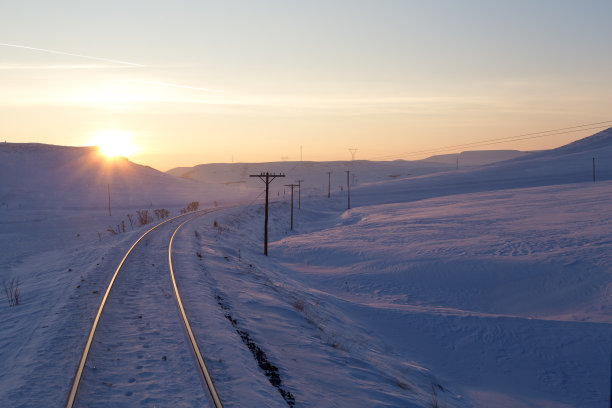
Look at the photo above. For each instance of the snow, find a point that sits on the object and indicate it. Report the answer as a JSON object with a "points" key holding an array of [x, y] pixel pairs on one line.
{"points": [[492, 289], [136, 343], [476, 157], [478, 287]]}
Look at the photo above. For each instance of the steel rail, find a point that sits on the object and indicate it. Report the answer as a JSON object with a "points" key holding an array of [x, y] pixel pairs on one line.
{"points": [[192, 340], [79, 372]]}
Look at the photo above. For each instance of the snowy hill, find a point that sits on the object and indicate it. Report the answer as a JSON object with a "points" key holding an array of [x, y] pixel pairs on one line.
{"points": [[476, 157], [572, 163], [46, 176], [380, 182]]}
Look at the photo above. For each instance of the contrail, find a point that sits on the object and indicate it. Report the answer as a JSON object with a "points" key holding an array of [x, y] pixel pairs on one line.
{"points": [[180, 86], [73, 55]]}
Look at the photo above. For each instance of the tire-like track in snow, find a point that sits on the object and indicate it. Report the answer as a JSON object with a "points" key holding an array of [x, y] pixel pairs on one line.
{"points": [[135, 336]]}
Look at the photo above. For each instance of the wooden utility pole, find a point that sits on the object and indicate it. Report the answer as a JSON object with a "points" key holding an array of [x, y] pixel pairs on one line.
{"points": [[109, 208], [292, 186], [329, 184], [299, 193], [348, 188], [266, 178]]}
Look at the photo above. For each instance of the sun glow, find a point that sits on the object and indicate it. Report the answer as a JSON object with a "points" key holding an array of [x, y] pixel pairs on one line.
{"points": [[113, 143]]}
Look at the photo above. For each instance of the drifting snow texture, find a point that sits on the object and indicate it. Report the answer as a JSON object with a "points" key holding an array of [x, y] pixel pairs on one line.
{"points": [[498, 296]]}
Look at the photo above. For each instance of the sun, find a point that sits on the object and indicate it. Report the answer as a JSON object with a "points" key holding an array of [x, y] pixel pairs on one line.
{"points": [[113, 143]]}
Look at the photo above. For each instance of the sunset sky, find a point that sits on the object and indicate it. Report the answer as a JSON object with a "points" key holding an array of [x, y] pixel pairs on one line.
{"points": [[200, 81]]}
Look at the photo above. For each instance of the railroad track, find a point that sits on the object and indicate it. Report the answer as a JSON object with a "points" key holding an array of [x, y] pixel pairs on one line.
{"points": [[134, 336]]}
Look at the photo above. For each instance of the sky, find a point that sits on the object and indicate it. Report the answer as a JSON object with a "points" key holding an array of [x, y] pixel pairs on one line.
{"points": [[192, 82]]}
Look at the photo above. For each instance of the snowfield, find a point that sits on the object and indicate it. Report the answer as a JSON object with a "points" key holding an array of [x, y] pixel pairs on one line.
{"points": [[487, 286]]}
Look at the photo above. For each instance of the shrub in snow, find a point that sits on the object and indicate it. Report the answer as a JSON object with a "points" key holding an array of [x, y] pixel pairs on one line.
{"points": [[112, 231], [192, 206], [144, 217], [131, 220], [11, 288], [161, 213]]}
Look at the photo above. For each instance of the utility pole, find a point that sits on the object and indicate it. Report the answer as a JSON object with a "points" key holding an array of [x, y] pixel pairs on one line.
{"points": [[348, 189], [593, 169], [266, 178], [292, 186], [353, 153], [457, 162], [109, 207], [299, 193], [329, 184]]}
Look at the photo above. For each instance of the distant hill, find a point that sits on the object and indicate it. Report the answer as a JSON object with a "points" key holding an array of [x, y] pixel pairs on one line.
{"points": [[365, 171], [36, 175]]}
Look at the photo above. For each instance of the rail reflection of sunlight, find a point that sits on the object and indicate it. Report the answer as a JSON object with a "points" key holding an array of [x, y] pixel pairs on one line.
{"points": [[114, 143]]}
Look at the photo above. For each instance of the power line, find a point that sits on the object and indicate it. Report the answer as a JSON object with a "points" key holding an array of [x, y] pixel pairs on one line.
{"points": [[525, 136]]}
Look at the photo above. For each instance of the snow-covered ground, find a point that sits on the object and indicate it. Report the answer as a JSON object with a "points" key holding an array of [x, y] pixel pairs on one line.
{"points": [[481, 287]]}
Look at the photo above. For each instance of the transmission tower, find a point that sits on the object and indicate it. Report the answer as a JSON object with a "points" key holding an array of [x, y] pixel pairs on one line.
{"points": [[353, 153]]}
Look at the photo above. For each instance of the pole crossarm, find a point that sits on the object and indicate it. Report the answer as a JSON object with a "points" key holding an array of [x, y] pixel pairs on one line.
{"points": [[267, 177]]}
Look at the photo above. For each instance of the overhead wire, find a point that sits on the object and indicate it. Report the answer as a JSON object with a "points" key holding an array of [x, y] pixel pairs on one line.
{"points": [[525, 136]]}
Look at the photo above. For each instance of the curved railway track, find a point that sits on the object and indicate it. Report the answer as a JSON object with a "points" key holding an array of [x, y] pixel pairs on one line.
{"points": [[125, 305]]}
